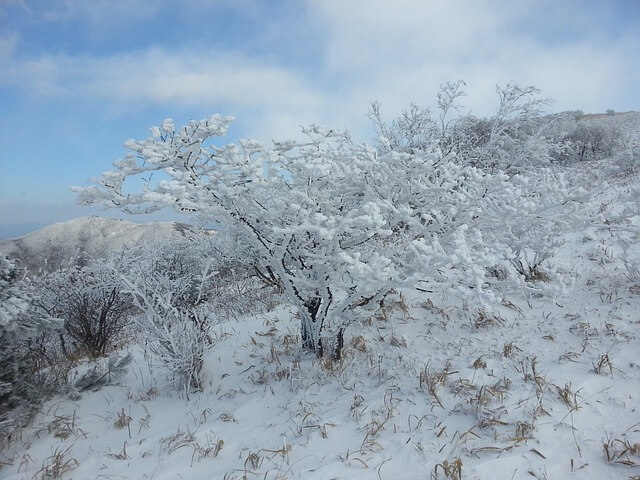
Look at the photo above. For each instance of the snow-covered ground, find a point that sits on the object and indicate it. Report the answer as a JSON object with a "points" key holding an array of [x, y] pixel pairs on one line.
{"points": [[547, 389]]}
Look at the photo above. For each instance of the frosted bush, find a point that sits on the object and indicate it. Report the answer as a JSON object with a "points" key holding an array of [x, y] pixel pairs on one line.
{"points": [[21, 390]]}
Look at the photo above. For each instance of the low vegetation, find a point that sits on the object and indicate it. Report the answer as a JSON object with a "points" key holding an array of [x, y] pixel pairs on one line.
{"points": [[457, 301]]}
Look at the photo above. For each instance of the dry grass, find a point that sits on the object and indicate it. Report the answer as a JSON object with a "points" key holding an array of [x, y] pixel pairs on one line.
{"points": [[451, 470], [176, 441], [370, 440], [356, 412], [431, 307], [482, 319], [25, 460], [253, 460], [209, 449], [604, 364], [621, 451], [479, 363], [462, 387], [569, 398], [227, 417], [398, 341], [6, 461], [433, 381], [509, 349], [529, 371], [57, 465], [144, 422], [349, 458], [64, 426], [121, 455], [123, 421], [359, 343], [524, 430]]}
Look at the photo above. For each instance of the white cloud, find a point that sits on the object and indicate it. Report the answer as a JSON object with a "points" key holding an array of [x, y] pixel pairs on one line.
{"points": [[160, 76], [403, 50], [397, 52], [170, 78]]}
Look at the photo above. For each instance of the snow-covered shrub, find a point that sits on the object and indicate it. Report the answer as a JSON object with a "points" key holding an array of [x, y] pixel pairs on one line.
{"points": [[417, 130], [512, 139], [414, 130], [515, 141], [197, 269], [627, 161], [101, 374], [176, 338], [183, 267], [92, 303], [20, 321], [591, 142], [529, 224], [175, 286], [520, 219]]}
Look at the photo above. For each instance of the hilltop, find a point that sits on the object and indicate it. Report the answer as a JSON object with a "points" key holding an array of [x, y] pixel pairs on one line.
{"points": [[71, 242]]}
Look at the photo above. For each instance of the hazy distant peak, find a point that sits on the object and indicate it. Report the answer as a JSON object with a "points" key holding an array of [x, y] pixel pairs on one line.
{"points": [[65, 243]]}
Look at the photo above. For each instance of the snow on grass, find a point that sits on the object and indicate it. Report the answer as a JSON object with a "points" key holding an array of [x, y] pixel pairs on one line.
{"points": [[423, 390], [545, 387]]}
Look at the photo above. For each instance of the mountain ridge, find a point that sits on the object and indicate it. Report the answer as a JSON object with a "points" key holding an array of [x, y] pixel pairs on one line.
{"points": [[73, 241]]}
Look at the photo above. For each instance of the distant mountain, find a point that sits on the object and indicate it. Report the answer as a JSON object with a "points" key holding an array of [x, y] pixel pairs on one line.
{"points": [[71, 242]]}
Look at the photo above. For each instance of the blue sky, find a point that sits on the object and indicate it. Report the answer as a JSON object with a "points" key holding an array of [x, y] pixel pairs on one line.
{"points": [[78, 77]]}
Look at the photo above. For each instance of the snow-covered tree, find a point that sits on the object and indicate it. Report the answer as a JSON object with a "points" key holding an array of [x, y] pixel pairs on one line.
{"points": [[20, 321], [335, 224]]}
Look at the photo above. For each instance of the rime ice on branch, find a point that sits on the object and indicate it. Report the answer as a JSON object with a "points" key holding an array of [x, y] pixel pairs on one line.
{"points": [[336, 224]]}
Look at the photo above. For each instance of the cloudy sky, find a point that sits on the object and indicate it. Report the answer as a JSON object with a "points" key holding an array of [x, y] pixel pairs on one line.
{"points": [[78, 77]]}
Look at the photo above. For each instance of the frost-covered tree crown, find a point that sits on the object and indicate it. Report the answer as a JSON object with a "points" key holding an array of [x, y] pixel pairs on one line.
{"points": [[338, 224]]}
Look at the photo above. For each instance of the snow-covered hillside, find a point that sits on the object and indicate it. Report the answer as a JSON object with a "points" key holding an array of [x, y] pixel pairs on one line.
{"points": [[422, 392], [543, 383], [68, 242], [548, 388]]}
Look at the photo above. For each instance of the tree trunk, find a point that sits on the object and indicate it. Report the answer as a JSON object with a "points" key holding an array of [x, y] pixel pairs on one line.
{"points": [[336, 353], [314, 342], [310, 341]]}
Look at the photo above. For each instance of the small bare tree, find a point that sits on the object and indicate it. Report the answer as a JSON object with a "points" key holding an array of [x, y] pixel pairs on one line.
{"points": [[92, 303]]}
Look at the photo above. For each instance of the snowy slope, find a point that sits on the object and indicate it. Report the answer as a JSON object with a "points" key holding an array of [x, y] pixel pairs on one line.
{"points": [[67, 242], [533, 394], [547, 389]]}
